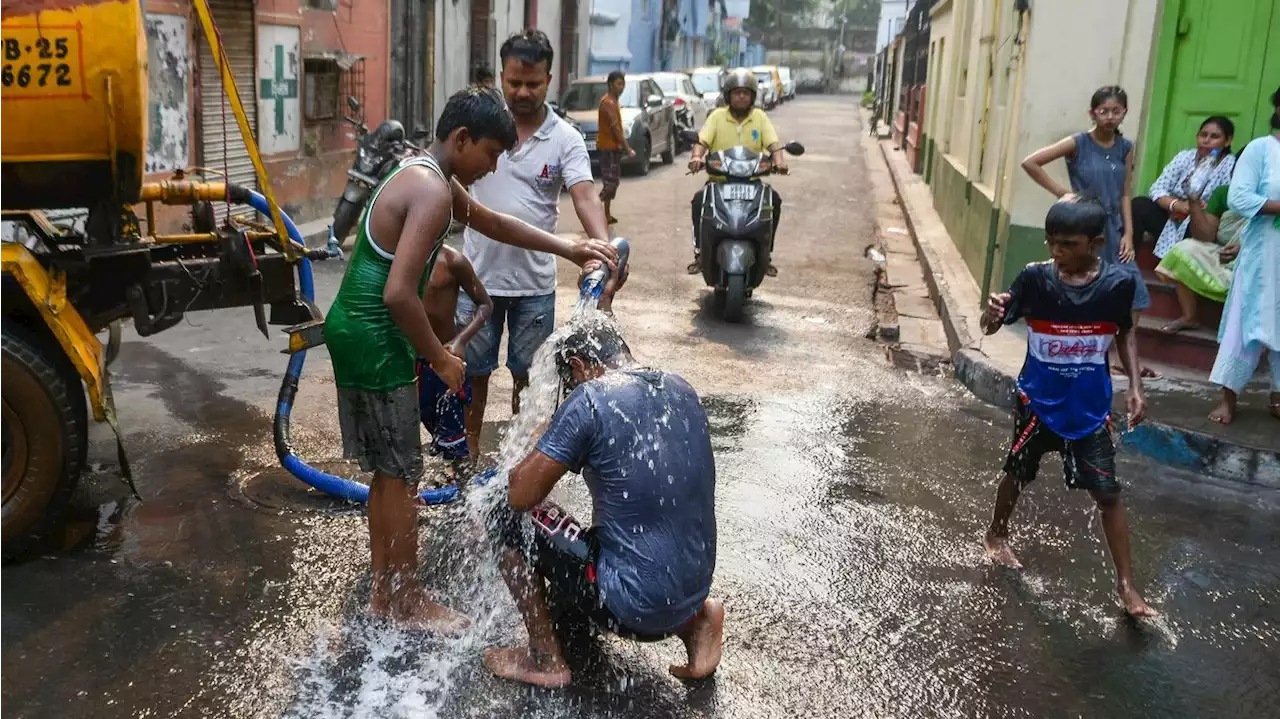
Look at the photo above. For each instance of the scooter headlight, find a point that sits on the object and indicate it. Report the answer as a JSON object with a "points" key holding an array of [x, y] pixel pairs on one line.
{"points": [[742, 168]]}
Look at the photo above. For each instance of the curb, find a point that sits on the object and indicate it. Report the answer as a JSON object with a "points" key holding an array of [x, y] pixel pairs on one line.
{"points": [[1214, 458]]}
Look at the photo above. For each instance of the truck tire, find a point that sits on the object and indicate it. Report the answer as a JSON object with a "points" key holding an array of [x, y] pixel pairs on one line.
{"points": [[45, 440], [735, 296]]}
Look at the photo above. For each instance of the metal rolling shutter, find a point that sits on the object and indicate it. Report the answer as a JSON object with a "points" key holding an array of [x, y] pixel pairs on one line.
{"points": [[234, 19]]}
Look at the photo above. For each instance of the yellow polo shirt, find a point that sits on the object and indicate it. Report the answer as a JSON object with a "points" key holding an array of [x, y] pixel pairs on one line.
{"points": [[723, 131]]}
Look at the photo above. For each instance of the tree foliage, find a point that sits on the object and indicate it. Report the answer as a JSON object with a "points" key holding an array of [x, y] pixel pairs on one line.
{"points": [[771, 21]]}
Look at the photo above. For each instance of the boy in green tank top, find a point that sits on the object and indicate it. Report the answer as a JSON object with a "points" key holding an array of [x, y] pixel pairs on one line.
{"points": [[378, 327]]}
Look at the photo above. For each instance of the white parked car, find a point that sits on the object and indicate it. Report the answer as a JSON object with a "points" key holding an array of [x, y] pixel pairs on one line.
{"points": [[690, 108], [767, 96], [708, 81]]}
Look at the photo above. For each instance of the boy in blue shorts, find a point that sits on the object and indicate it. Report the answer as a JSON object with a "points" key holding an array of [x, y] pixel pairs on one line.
{"points": [[1075, 305], [442, 411]]}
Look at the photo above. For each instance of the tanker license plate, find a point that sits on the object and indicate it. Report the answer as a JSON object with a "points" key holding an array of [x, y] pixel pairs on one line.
{"points": [[41, 62], [739, 192]]}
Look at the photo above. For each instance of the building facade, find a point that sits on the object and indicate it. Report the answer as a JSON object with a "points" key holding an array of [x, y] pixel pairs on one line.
{"points": [[297, 61], [1006, 77], [294, 63]]}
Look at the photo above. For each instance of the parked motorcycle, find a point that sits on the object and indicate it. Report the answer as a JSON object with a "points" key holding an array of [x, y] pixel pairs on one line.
{"points": [[377, 153], [737, 224], [685, 123]]}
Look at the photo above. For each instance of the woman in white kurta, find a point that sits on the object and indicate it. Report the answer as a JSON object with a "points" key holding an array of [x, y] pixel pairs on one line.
{"points": [[1251, 317]]}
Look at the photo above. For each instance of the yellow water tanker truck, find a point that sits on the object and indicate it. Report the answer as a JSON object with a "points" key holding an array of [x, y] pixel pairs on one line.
{"points": [[74, 113]]}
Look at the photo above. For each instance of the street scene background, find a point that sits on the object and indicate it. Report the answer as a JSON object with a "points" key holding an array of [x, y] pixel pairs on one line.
{"points": [[852, 497]]}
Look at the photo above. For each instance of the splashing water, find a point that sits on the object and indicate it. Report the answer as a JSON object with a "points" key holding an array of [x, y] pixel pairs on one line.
{"points": [[401, 674]]}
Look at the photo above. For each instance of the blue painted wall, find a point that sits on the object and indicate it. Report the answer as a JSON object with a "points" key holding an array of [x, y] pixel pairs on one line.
{"points": [[610, 36], [642, 38]]}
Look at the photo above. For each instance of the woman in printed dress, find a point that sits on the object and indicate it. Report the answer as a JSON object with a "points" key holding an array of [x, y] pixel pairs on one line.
{"points": [[1165, 214]]}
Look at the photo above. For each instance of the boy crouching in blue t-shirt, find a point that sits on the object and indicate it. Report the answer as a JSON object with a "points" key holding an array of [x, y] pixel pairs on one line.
{"points": [[1074, 305]]}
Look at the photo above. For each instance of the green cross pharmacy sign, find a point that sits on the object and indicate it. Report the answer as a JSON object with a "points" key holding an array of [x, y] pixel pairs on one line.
{"points": [[278, 88]]}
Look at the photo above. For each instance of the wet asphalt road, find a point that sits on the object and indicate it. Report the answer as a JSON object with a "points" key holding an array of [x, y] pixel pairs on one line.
{"points": [[851, 502]]}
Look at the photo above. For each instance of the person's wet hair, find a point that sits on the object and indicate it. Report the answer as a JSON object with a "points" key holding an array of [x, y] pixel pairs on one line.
{"points": [[482, 75], [615, 76], [1109, 92], [483, 112], [1080, 216], [1275, 103], [529, 47], [595, 342], [1227, 127]]}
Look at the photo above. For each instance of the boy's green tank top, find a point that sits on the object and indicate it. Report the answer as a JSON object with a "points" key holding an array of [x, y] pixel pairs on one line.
{"points": [[368, 350]]}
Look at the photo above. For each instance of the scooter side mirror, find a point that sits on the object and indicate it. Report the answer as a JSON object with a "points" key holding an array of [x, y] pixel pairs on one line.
{"points": [[654, 101], [353, 103], [794, 148]]}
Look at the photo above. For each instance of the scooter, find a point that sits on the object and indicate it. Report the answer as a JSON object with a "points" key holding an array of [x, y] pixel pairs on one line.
{"points": [[737, 225], [377, 154]]}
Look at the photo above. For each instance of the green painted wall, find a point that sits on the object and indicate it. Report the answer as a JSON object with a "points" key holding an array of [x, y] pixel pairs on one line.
{"points": [[1021, 245], [965, 212], [928, 160]]}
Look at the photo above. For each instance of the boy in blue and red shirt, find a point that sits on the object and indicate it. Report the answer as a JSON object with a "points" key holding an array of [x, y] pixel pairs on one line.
{"points": [[1075, 305]]}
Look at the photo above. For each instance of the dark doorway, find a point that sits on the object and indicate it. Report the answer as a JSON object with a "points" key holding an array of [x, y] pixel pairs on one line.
{"points": [[410, 53]]}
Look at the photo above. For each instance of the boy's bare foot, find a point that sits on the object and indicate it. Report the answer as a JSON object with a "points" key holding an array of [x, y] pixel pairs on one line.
{"points": [[380, 604], [1223, 414], [519, 665], [998, 551], [1134, 604], [704, 642], [413, 610]]}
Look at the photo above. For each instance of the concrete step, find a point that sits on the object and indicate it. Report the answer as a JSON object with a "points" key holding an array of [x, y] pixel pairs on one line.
{"points": [[1164, 304], [1192, 349]]}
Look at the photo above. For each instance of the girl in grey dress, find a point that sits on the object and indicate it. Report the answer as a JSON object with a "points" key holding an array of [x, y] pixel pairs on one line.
{"points": [[1100, 164]]}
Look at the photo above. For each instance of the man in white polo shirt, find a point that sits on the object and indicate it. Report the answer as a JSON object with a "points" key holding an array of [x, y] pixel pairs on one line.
{"points": [[551, 154]]}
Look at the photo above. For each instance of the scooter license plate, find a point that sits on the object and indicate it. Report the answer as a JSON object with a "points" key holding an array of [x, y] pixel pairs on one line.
{"points": [[738, 192], [591, 145]]}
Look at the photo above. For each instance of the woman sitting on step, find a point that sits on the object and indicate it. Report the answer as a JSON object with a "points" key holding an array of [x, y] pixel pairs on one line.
{"points": [[1201, 265], [1164, 213]]}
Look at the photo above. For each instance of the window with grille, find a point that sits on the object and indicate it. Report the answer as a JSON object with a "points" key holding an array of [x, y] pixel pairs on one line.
{"points": [[327, 83], [322, 89]]}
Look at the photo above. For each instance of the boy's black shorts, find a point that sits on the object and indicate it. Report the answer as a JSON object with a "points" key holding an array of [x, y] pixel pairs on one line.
{"points": [[1088, 462], [562, 552]]}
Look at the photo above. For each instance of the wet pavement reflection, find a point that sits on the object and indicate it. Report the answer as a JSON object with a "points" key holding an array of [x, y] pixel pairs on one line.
{"points": [[849, 562]]}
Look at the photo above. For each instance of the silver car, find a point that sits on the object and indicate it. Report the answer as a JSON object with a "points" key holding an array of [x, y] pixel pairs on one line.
{"points": [[648, 118]]}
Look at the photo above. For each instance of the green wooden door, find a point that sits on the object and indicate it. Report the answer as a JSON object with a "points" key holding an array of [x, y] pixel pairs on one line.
{"points": [[1270, 80], [1212, 58]]}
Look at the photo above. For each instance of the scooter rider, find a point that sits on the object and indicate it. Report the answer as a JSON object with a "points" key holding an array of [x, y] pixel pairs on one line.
{"points": [[738, 123]]}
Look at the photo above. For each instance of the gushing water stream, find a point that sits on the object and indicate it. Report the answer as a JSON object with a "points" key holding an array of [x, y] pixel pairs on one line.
{"points": [[402, 675]]}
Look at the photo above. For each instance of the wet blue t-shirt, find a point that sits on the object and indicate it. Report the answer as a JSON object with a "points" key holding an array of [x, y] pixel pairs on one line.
{"points": [[1066, 377], [642, 443]]}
